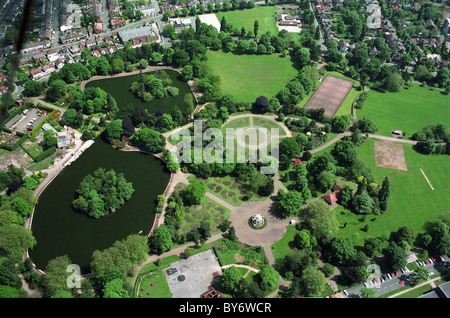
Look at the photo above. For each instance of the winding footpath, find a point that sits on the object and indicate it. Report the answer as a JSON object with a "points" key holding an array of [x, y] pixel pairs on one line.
{"points": [[276, 226]]}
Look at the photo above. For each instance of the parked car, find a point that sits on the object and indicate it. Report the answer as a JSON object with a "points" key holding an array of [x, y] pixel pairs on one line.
{"points": [[345, 292]]}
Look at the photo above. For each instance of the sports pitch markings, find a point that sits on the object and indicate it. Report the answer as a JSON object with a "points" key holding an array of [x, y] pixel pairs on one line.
{"points": [[425, 176]]}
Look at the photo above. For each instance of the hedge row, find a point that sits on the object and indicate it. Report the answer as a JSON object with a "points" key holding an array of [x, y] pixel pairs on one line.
{"points": [[37, 129], [50, 151]]}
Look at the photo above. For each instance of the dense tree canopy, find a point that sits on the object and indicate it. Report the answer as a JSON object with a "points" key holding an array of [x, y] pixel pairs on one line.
{"points": [[102, 192]]}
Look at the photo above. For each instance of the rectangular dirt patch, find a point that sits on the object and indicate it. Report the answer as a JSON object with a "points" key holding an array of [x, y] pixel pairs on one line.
{"points": [[389, 155], [330, 95]]}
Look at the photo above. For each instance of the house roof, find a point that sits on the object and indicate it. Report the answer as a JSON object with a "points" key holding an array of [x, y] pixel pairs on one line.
{"points": [[333, 197]]}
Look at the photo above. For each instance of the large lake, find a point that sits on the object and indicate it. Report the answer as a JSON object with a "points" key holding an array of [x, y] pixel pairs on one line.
{"points": [[119, 88], [60, 230]]}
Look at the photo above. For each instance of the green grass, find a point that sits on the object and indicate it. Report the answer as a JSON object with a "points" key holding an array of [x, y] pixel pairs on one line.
{"points": [[284, 246], [411, 202], [159, 290], [34, 150], [43, 164], [249, 76], [417, 292], [246, 18], [230, 252], [409, 110]]}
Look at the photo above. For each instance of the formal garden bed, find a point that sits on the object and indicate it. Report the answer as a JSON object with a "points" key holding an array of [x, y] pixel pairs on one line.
{"points": [[227, 189]]}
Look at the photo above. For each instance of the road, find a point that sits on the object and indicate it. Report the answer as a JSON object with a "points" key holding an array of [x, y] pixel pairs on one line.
{"points": [[394, 283]]}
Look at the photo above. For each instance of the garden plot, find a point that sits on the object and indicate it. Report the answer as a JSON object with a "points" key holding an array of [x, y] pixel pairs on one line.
{"points": [[390, 155]]}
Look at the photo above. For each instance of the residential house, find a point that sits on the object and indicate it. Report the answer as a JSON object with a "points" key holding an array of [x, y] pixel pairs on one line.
{"points": [[3, 78], [63, 138], [117, 23], [112, 48], [52, 55], [36, 73], [98, 28], [48, 68], [96, 53], [39, 57], [59, 64], [90, 42], [182, 23], [3, 89]]}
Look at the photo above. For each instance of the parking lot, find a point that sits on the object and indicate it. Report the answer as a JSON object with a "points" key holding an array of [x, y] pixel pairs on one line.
{"points": [[389, 282], [31, 118]]}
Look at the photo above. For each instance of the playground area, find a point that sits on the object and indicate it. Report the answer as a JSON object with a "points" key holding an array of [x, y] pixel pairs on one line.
{"points": [[191, 277], [330, 95]]}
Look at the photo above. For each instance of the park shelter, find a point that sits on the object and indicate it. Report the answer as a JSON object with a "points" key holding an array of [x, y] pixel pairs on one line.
{"points": [[332, 198]]}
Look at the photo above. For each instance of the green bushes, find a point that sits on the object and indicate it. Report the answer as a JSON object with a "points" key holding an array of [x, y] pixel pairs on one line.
{"points": [[48, 152]]}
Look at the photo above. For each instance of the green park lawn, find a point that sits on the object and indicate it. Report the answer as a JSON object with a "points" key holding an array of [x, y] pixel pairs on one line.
{"points": [[411, 203], [285, 246], [246, 18], [160, 288], [231, 252], [249, 76], [409, 110]]}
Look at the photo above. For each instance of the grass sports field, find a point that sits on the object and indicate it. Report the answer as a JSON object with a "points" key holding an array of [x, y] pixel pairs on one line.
{"points": [[411, 203], [249, 76], [409, 110], [247, 17]]}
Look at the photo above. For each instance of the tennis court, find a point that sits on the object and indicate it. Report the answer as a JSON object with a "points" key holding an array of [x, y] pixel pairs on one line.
{"points": [[330, 95]]}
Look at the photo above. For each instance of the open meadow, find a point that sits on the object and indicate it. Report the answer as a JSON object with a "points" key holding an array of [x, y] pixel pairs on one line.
{"points": [[247, 17], [409, 110], [249, 76], [412, 202]]}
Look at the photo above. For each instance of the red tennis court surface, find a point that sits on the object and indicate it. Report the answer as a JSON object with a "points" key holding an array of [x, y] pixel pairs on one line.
{"points": [[330, 95]]}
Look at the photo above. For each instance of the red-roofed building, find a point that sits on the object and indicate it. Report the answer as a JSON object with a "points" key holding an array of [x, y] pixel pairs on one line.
{"points": [[115, 23], [98, 28], [332, 197], [36, 73]]}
